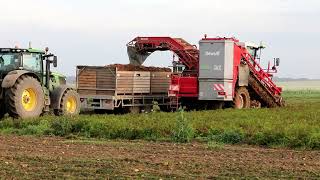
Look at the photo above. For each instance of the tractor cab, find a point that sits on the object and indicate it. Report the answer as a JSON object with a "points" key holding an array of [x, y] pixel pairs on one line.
{"points": [[177, 67], [9, 61], [20, 59], [29, 88], [33, 60], [254, 49], [255, 52]]}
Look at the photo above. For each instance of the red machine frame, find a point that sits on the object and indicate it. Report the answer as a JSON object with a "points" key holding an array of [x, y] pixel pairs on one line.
{"points": [[186, 83]]}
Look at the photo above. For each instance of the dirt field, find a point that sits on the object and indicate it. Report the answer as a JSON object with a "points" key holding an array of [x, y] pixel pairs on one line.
{"points": [[42, 158]]}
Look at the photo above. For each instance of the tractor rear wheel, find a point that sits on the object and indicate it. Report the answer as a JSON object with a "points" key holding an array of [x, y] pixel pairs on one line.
{"points": [[69, 104], [242, 98], [25, 99]]}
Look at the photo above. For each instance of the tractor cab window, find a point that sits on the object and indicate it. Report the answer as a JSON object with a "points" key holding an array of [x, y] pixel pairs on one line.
{"points": [[252, 51], [178, 67], [10, 61], [32, 62]]}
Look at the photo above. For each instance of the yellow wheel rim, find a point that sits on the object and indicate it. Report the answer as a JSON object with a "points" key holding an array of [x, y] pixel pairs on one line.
{"points": [[29, 99], [71, 105]]}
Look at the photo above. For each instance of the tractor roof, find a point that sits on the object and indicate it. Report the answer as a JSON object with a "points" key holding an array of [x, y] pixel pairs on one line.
{"points": [[254, 45], [19, 50]]}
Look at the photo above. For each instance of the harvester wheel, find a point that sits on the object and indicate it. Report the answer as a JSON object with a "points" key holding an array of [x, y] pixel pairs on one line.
{"points": [[218, 105], [69, 104], [25, 99], [242, 98]]}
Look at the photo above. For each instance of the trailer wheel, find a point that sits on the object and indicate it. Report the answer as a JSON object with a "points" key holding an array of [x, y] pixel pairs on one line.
{"points": [[100, 111], [70, 104], [242, 98], [147, 109], [134, 109], [25, 99], [2, 111]]}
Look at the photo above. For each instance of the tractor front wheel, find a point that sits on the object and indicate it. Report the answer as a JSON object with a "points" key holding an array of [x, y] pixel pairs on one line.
{"points": [[25, 99], [242, 98], [69, 104]]}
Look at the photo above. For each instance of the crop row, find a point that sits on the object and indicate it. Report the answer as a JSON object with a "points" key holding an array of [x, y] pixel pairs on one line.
{"points": [[296, 125]]}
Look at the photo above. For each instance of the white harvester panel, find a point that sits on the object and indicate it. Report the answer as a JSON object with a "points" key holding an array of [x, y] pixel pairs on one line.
{"points": [[216, 70]]}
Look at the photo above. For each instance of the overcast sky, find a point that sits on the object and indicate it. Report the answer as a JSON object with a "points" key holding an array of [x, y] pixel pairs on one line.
{"points": [[95, 32]]}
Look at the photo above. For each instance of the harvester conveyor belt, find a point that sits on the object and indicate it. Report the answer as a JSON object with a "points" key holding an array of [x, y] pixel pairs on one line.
{"points": [[265, 96]]}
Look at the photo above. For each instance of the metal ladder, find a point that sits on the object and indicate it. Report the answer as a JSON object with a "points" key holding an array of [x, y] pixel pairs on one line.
{"points": [[261, 83], [174, 103], [174, 100]]}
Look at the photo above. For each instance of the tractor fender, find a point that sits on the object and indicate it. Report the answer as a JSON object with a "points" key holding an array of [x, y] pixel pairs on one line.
{"points": [[56, 95], [11, 78]]}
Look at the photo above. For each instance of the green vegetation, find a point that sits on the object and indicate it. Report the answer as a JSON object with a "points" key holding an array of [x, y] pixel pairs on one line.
{"points": [[213, 145], [183, 132], [295, 126]]}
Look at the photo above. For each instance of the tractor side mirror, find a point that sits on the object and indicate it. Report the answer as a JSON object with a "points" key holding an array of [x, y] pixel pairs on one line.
{"points": [[55, 61], [277, 61]]}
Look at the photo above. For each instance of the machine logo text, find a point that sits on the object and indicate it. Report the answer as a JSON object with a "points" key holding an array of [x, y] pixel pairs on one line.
{"points": [[208, 53]]}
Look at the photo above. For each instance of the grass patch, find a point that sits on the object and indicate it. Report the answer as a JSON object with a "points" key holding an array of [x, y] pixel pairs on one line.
{"points": [[183, 132], [213, 145], [295, 126]]}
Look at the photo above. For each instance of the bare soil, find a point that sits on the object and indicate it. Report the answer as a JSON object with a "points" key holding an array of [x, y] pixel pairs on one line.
{"points": [[46, 158]]}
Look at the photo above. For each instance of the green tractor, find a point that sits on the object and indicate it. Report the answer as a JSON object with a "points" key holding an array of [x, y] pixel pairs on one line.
{"points": [[29, 88]]}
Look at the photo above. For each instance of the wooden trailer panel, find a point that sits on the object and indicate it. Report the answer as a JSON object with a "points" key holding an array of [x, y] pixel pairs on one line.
{"points": [[93, 80], [160, 82], [133, 82], [105, 87], [86, 80], [124, 83], [96, 80], [141, 82], [106, 81]]}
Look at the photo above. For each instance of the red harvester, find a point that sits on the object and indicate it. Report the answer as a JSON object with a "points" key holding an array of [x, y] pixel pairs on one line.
{"points": [[222, 72]]}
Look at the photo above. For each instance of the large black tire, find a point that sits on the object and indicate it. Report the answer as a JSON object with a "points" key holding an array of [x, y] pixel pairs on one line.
{"points": [[147, 109], [218, 105], [69, 104], [2, 111], [242, 98], [25, 99], [100, 111], [134, 109]]}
